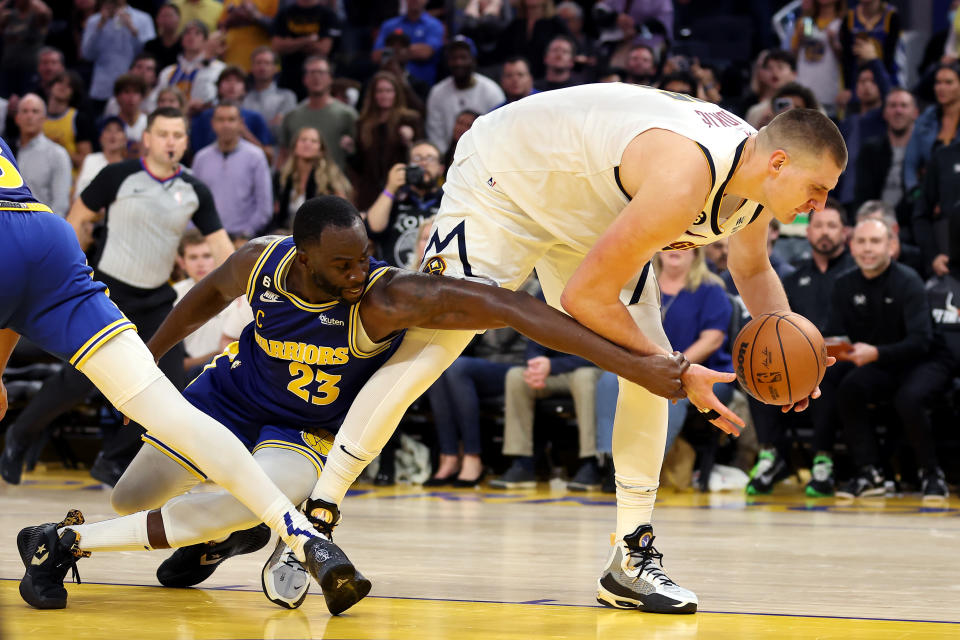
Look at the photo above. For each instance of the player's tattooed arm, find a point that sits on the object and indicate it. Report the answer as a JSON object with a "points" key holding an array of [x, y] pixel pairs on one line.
{"points": [[403, 299], [208, 297]]}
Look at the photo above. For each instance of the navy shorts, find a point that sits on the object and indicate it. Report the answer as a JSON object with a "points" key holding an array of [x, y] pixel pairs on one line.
{"points": [[254, 429], [49, 295]]}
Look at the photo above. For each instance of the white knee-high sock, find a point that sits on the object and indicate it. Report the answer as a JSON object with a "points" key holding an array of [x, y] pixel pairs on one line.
{"points": [[126, 533], [124, 363], [377, 409]]}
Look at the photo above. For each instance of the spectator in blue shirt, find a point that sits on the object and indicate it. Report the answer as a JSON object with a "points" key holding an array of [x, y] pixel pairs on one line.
{"points": [[696, 318], [426, 39], [111, 39], [230, 86]]}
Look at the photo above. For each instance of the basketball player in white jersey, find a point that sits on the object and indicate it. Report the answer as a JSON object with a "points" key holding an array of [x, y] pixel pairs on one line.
{"points": [[586, 184]]}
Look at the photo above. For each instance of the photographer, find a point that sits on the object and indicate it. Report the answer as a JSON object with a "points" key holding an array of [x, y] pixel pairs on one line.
{"points": [[412, 194]]}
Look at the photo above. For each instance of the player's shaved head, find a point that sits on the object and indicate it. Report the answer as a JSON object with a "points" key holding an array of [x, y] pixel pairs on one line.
{"points": [[804, 132], [316, 214]]}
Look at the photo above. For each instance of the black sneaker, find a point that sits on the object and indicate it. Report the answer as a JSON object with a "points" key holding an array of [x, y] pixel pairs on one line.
{"points": [[609, 482], [46, 558], [587, 478], [868, 483], [770, 469], [11, 461], [518, 476], [194, 564], [106, 471], [933, 484], [342, 585]]}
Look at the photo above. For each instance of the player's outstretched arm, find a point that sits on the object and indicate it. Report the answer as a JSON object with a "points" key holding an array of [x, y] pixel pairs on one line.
{"points": [[404, 299], [8, 340], [208, 297]]}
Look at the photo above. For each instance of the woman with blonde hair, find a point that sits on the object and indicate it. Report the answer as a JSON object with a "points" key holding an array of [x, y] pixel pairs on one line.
{"points": [[385, 130], [308, 172], [696, 318]]}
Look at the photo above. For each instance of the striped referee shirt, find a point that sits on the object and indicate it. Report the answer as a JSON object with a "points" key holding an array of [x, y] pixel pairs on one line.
{"points": [[146, 217]]}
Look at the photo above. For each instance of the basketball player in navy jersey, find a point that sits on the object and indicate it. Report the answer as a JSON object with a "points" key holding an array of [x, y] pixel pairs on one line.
{"points": [[585, 185], [49, 296], [326, 317]]}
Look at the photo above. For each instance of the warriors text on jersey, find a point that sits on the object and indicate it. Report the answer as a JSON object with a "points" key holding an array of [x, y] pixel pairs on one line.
{"points": [[295, 369], [49, 294], [557, 155]]}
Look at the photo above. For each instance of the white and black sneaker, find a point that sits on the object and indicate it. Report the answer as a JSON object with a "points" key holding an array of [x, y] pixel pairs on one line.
{"points": [[933, 484], [633, 579], [869, 483], [284, 580]]}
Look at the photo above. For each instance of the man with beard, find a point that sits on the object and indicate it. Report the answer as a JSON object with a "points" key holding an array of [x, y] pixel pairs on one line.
{"points": [[808, 290], [463, 90]]}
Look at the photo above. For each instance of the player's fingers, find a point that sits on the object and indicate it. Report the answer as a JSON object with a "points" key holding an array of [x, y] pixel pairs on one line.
{"points": [[831, 361], [712, 403], [802, 405], [816, 393], [726, 426]]}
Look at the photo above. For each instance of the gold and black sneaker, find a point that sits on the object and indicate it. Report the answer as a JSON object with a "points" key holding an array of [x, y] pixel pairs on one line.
{"points": [[342, 585], [46, 557]]}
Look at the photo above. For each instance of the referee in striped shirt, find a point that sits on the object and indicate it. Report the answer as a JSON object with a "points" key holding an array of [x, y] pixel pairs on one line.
{"points": [[148, 203]]}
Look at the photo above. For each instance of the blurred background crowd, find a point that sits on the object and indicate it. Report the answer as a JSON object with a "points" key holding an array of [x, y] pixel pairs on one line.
{"points": [[366, 99]]}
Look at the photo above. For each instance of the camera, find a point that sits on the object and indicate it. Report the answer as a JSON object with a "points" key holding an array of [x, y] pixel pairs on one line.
{"points": [[782, 104], [415, 175]]}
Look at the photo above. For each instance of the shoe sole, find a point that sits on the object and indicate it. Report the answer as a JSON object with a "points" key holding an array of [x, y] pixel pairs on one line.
{"points": [[652, 603], [879, 492], [273, 559], [577, 486], [36, 601], [527, 484], [813, 493], [343, 587]]}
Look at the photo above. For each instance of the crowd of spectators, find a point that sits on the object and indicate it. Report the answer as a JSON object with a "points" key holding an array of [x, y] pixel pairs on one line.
{"points": [[289, 99]]}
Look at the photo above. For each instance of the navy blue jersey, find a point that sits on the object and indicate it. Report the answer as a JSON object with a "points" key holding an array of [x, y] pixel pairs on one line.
{"points": [[49, 294], [297, 363]]}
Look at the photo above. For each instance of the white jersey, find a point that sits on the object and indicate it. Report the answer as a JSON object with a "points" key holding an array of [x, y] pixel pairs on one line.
{"points": [[557, 155]]}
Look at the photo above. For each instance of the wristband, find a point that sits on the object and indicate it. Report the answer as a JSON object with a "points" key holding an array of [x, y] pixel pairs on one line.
{"points": [[388, 194]]}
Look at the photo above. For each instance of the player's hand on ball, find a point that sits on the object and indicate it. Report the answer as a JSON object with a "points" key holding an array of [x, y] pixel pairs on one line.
{"points": [[803, 404], [3, 400], [698, 382]]}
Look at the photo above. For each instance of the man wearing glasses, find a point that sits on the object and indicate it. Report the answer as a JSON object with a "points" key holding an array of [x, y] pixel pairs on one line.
{"points": [[334, 119], [411, 195]]}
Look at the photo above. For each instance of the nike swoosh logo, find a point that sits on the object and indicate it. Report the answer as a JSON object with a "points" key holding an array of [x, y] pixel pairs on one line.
{"points": [[350, 454]]}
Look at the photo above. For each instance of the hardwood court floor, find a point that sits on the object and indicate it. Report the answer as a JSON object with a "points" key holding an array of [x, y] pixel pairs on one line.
{"points": [[484, 564]]}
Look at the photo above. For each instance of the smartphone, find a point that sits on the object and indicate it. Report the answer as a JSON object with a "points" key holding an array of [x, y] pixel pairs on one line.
{"points": [[808, 27]]}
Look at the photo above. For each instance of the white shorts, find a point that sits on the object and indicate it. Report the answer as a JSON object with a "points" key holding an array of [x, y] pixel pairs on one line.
{"points": [[481, 233]]}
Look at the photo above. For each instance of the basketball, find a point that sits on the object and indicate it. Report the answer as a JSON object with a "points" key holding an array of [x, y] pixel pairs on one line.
{"points": [[780, 358]]}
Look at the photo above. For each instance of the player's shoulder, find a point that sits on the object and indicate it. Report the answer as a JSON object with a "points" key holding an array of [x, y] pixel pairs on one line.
{"points": [[123, 168]]}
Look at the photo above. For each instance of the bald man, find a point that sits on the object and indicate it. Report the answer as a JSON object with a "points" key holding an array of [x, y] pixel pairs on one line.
{"points": [[44, 164]]}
